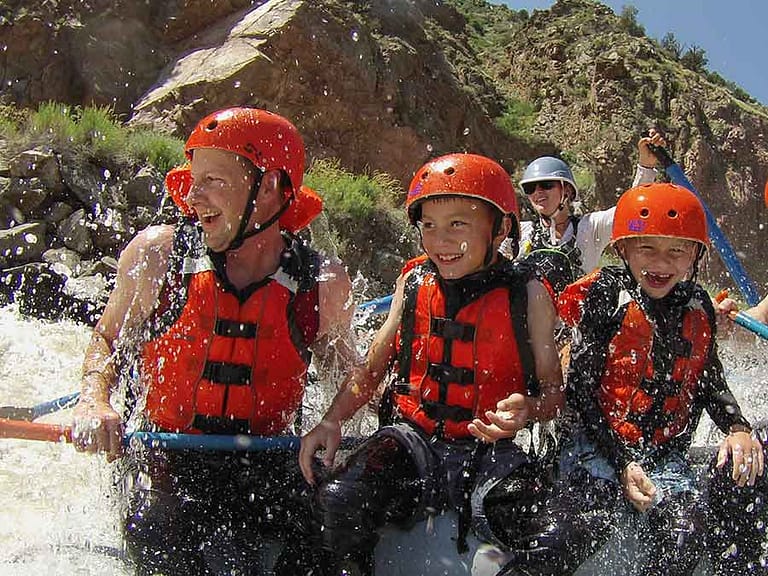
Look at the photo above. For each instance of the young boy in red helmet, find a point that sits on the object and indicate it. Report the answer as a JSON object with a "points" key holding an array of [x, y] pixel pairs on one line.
{"points": [[212, 323], [644, 367], [469, 344]]}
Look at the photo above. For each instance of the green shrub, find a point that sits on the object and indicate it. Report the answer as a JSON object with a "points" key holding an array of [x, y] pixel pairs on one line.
{"points": [[351, 194], [93, 133], [518, 119], [628, 21], [361, 222], [98, 131], [160, 150], [54, 121]]}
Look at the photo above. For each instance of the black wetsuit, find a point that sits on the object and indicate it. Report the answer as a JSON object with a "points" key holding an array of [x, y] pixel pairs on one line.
{"points": [[579, 516]]}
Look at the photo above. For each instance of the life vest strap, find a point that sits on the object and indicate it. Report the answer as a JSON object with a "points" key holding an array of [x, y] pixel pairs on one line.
{"points": [[228, 374], [452, 330], [652, 420], [442, 412], [446, 374], [235, 329]]}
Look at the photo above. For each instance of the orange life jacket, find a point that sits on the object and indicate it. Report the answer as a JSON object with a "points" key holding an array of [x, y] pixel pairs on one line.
{"points": [[640, 398], [454, 367], [227, 365]]}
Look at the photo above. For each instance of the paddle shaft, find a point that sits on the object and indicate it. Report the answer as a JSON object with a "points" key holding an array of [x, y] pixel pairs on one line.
{"points": [[202, 442], [746, 321], [727, 254]]}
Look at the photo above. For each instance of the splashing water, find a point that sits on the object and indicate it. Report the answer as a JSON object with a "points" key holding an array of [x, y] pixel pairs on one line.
{"points": [[55, 516], [58, 514]]}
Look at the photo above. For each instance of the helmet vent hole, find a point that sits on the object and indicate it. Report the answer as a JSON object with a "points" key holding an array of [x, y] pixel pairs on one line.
{"points": [[644, 213], [425, 175], [211, 126], [449, 171], [672, 213]]}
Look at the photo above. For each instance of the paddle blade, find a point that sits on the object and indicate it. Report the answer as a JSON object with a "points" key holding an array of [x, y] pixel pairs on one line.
{"points": [[34, 431]]}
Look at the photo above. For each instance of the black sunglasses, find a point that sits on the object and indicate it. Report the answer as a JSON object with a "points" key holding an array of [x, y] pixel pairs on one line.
{"points": [[530, 187]]}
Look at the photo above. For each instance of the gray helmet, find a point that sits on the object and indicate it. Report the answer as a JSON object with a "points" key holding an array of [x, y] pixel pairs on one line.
{"points": [[548, 168]]}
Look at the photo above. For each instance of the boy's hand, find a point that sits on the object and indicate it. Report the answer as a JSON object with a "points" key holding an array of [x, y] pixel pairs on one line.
{"points": [[326, 434], [511, 415], [638, 488], [647, 159], [747, 455], [725, 309]]}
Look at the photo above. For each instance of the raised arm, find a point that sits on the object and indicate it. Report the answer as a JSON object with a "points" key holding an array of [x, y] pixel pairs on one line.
{"points": [[141, 270]]}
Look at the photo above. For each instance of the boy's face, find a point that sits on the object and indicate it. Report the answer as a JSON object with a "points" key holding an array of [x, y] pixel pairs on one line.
{"points": [[456, 233], [658, 263]]}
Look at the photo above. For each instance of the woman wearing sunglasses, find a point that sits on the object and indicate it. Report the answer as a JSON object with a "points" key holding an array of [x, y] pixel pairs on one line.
{"points": [[562, 245]]}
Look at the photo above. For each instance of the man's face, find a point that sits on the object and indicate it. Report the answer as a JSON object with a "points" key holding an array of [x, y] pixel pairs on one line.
{"points": [[221, 183]]}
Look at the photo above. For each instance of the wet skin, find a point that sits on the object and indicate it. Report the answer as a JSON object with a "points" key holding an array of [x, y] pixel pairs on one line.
{"points": [[456, 234], [658, 263], [220, 189]]}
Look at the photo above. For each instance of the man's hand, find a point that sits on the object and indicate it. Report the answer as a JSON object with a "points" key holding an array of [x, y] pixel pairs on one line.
{"points": [[511, 416], [96, 427], [638, 488], [326, 434], [747, 455]]}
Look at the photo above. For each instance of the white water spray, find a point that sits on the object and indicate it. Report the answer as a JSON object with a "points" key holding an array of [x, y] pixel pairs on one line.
{"points": [[58, 511]]}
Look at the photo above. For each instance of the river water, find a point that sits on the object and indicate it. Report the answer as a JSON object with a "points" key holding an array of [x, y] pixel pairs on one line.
{"points": [[56, 513]]}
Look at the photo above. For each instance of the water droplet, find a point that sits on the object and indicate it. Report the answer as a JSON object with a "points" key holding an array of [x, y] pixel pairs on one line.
{"points": [[355, 36]]}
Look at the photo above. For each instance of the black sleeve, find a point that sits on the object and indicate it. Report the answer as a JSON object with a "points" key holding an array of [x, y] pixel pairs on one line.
{"points": [[585, 372], [717, 398], [584, 375]]}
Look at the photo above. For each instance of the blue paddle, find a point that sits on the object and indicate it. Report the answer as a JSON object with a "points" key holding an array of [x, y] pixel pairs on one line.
{"points": [[727, 254], [206, 442], [746, 321]]}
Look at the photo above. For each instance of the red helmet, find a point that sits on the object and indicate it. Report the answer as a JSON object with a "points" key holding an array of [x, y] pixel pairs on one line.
{"points": [[268, 140], [660, 210], [467, 175]]}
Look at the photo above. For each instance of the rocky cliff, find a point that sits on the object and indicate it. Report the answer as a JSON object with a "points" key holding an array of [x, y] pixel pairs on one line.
{"points": [[385, 84]]}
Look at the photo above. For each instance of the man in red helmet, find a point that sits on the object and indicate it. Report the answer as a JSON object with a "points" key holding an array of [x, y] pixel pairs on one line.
{"points": [[469, 341], [211, 325]]}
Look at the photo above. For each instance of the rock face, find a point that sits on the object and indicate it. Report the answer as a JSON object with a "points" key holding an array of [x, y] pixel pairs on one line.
{"points": [[386, 84], [598, 89]]}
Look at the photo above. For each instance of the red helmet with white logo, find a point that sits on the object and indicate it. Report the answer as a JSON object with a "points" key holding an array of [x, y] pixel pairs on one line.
{"points": [[268, 140]]}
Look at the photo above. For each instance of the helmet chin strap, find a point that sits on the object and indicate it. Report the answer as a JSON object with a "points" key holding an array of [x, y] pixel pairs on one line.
{"points": [[242, 233], [250, 205]]}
